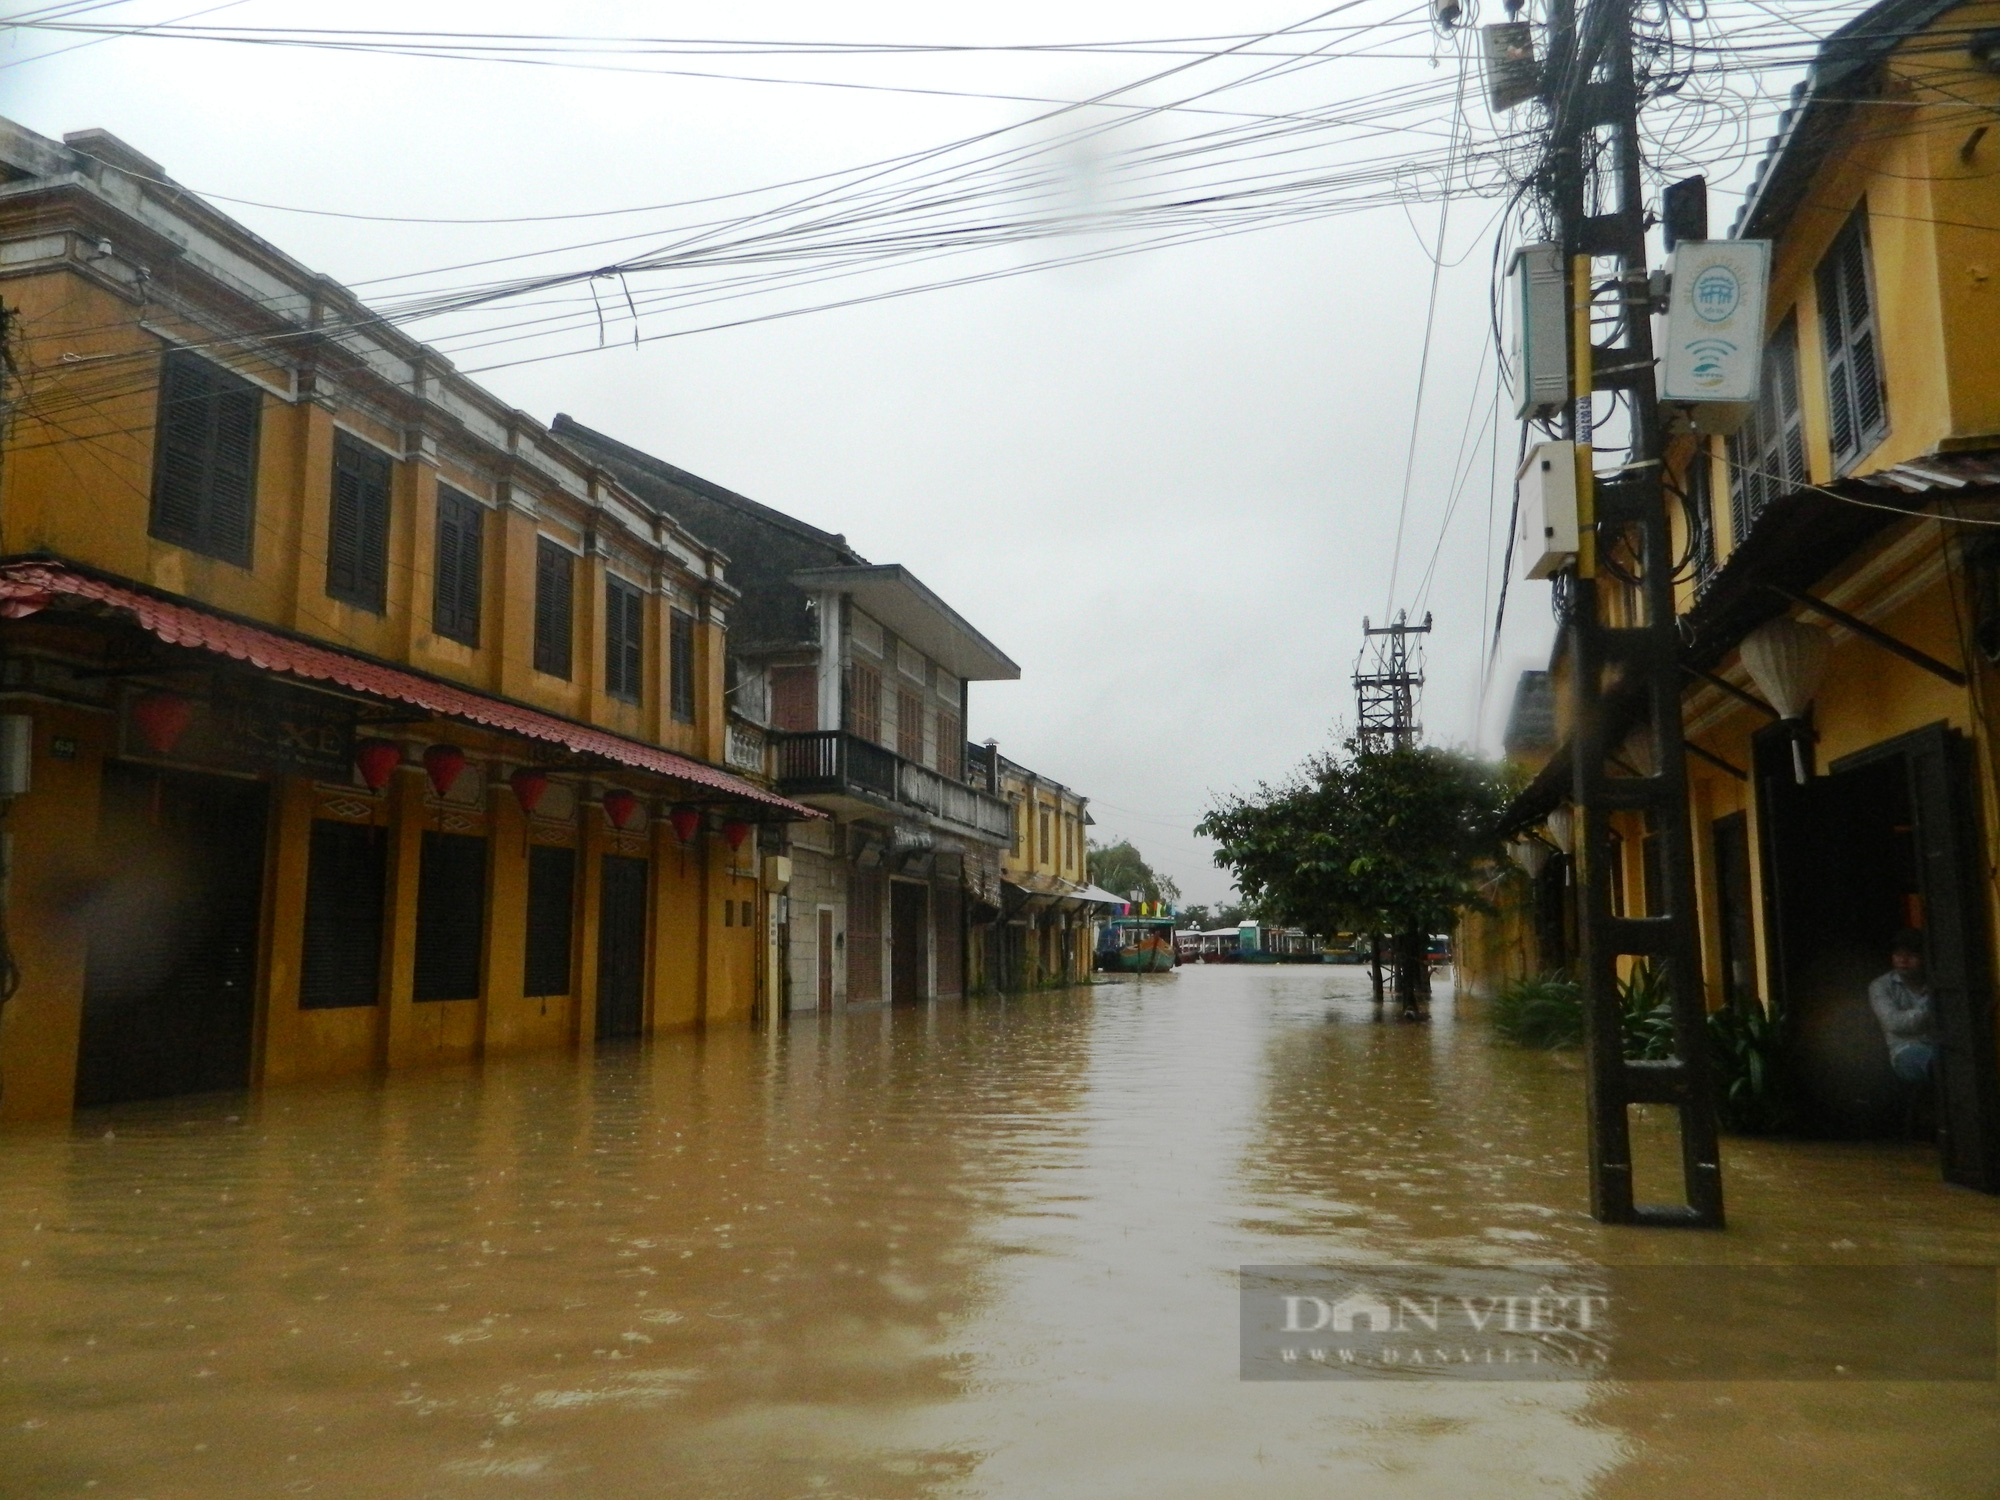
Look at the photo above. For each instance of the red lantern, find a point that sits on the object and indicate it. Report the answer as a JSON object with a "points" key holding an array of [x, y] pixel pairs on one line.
{"points": [[529, 785], [621, 807], [444, 764], [687, 823], [377, 760], [734, 832], [161, 719]]}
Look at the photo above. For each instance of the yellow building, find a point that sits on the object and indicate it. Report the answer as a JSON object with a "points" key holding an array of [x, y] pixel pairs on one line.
{"points": [[351, 719], [1841, 565], [1046, 930]]}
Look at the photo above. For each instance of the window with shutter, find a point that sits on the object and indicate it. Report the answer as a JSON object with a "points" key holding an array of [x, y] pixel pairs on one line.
{"points": [[551, 913], [909, 724], [865, 708], [681, 668], [1767, 455], [451, 917], [1857, 410], [205, 459], [346, 882], [950, 746], [795, 699], [459, 565], [357, 540], [624, 619], [554, 594]]}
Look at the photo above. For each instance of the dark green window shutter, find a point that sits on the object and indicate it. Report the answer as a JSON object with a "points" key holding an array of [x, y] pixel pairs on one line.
{"points": [[624, 620], [357, 542], [554, 624], [205, 459], [451, 916], [459, 564], [1767, 455], [346, 882], [1857, 413], [551, 915], [682, 668]]}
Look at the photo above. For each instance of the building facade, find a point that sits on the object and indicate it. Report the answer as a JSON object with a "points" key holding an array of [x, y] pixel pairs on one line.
{"points": [[1045, 931], [1840, 599], [352, 719], [859, 678]]}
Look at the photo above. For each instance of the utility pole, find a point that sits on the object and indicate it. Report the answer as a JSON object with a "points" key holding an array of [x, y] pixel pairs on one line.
{"points": [[1622, 638], [1386, 687]]}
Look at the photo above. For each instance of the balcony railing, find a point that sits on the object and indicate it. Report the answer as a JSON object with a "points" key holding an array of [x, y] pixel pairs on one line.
{"points": [[744, 747], [830, 761]]}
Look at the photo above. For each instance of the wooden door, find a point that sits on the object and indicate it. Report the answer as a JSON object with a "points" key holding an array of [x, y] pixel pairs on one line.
{"points": [[621, 948], [825, 960]]}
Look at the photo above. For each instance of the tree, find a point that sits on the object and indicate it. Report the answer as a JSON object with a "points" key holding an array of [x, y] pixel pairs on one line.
{"points": [[1388, 841], [1121, 870]]}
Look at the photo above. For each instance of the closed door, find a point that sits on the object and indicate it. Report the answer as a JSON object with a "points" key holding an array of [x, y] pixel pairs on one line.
{"points": [[909, 942], [170, 974], [826, 960], [621, 948]]}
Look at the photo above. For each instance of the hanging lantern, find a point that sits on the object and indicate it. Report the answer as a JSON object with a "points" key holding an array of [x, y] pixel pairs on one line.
{"points": [[1787, 660], [377, 761], [529, 786], [1532, 855], [686, 823], [444, 764], [734, 832], [161, 719], [1562, 828], [620, 806]]}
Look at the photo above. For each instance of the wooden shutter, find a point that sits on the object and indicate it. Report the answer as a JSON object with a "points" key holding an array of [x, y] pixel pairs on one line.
{"points": [[950, 746], [909, 725], [346, 882], [357, 542], [624, 616], [864, 937], [205, 459], [459, 566], [795, 699], [1856, 411], [554, 592], [866, 705], [451, 917], [681, 667], [551, 918], [1767, 456]]}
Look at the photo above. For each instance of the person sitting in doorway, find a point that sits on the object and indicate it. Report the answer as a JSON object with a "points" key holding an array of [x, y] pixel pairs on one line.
{"points": [[1901, 1000]]}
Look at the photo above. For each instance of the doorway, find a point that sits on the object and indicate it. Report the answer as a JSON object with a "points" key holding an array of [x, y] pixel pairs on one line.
{"points": [[909, 942], [170, 976], [621, 948], [825, 974], [1889, 838]]}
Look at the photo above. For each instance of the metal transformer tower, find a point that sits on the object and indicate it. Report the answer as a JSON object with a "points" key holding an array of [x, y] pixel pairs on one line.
{"points": [[1387, 679]]}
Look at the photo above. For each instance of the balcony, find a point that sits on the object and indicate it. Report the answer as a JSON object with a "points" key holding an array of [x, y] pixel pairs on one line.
{"points": [[830, 763]]}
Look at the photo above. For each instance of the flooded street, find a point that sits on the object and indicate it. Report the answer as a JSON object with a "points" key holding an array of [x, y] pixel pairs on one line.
{"points": [[987, 1249]]}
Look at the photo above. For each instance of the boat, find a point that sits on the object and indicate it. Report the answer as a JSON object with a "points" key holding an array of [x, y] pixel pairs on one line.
{"points": [[1137, 941]]}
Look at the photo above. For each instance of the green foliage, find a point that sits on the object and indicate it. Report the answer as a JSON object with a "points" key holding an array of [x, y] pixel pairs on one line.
{"points": [[1645, 1019], [1120, 869], [1208, 918], [1752, 1085], [1363, 840], [1542, 1010]]}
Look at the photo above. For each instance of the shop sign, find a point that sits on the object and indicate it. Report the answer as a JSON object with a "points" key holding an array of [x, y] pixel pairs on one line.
{"points": [[260, 726]]}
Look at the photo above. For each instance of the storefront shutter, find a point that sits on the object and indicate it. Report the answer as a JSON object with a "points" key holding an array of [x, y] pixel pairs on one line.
{"points": [[357, 544], [346, 868], [451, 916], [459, 563], [551, 918]]}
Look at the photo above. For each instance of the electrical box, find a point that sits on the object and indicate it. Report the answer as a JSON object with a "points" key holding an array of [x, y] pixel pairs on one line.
{"points": [[1712, 343], [1541, 330], [17, 753], [777, 872], [1545, 497]]}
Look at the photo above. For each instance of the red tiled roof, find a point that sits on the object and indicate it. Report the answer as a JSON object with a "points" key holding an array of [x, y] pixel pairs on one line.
{"points": [[27, 588]]}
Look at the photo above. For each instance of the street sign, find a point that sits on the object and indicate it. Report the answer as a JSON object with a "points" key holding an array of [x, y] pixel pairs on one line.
{"points": [[1714, 343]]}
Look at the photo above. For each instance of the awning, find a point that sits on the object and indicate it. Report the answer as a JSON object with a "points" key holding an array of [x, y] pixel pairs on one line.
{"points": [[27, 588]]}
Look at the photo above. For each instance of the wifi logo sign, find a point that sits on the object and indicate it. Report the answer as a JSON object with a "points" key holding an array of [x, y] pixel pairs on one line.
{"points": [[1710, 358]]}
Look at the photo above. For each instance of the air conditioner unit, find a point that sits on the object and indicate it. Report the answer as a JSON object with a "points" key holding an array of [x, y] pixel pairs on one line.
{"points": [[1545, 492], [1541, 330]]}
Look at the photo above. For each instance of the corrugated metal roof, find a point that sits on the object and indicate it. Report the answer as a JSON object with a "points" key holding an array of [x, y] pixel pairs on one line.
{"points": [[29, 587]]}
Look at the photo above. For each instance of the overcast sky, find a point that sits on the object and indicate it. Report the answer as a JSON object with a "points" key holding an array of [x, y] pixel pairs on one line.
{"points": [[1166, 484]]}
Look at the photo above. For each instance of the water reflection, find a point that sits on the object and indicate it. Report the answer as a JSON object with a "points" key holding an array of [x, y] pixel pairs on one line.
{"points": [[981, 1250]]}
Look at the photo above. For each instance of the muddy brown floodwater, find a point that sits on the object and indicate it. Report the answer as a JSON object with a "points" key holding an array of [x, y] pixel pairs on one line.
{"points": [[987, 1249]]}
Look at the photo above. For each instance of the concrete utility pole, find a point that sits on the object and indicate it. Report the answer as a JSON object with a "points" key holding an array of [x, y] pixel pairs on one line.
{"points": [[1386, 686], [1589, 184]]}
